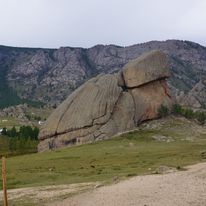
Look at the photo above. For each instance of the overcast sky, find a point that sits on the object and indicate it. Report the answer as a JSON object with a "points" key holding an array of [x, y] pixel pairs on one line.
{"points": [[84, 23]]}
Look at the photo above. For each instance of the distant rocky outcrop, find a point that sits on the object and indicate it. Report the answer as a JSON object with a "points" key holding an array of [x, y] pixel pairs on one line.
{"points": [[196, 96], [15, 111], [110, 104]]}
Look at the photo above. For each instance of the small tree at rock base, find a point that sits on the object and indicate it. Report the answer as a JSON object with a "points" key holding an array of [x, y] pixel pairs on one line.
{"points": [[201, 117], [163, 111], [177, 109]]}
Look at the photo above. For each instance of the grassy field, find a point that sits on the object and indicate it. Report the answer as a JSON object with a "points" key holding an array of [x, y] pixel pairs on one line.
{"points": [[32, 112], [4, 145], [9, 122], [128, 155], [43, 113]]}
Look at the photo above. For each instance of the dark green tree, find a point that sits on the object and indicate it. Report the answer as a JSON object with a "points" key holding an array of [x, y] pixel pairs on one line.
{"points": [[35, 133], [176, 109], [13, 132], [163, 111], [201, 117], [188, 113]]}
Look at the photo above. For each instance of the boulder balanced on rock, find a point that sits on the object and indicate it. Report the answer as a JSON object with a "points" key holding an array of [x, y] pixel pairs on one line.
{"points": [[110, 104]]}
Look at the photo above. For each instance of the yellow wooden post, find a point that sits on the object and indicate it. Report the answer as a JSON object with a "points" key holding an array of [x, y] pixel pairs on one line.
{"points": [[4, 181]]}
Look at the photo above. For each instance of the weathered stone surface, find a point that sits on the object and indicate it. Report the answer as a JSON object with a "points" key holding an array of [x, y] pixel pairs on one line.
{"points": [[91, 104], [122, 118], [149, 67], [104, 106], [148, 98], [120, 79]]}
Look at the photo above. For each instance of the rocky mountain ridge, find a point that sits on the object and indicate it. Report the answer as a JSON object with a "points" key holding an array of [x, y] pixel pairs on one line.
{"points": [[50, 75]]}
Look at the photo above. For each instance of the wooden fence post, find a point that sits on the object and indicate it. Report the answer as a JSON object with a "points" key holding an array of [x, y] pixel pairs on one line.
{"points": [[4, 181]]}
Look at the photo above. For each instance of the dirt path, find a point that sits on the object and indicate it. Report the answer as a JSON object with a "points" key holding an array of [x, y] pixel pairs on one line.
{"points": [[39, 195], [185, 188]]}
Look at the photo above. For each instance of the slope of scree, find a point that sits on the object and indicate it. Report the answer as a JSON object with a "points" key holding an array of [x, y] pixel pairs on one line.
{"points": [[110, 104]]}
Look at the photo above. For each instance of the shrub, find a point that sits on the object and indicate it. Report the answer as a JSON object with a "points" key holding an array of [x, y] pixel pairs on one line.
{"points": [[201, 117], [188, 113], [177, 109], [163, 111]]}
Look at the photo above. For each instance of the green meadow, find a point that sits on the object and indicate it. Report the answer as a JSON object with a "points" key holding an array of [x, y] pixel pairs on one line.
{"points": [[128, 155]]}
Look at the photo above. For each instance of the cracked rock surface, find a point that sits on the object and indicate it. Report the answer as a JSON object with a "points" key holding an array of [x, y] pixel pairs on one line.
{"points": [[110, 104]]}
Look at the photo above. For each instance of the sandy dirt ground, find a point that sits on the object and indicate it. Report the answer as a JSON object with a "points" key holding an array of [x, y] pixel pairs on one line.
{"points": [[41, 194], [182, 188]]}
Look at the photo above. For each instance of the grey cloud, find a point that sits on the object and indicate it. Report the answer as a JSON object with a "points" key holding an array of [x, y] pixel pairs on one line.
{"points": [[55, 23]]}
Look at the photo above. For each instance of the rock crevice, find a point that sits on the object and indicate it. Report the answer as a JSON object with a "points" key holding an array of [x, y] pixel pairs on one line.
{"points": [[110, 104]]}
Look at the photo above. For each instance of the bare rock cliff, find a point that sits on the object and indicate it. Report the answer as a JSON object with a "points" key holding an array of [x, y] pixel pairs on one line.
{"points": [[109, 104]]}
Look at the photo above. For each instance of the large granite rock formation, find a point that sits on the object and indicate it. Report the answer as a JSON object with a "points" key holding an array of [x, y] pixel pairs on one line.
{"points": [[110, 104]]}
